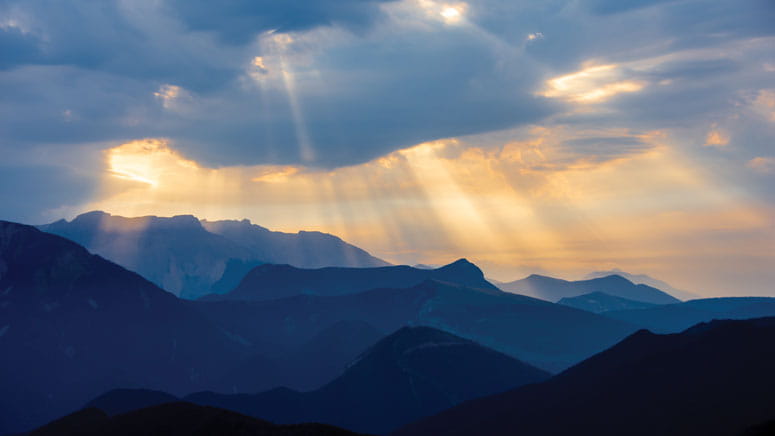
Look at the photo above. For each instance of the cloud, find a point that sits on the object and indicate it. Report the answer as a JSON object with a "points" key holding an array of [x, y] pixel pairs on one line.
{"points": [[593, 84], [761, 164], [716, 138], [601, 149], [359, 79], [239, 21]]}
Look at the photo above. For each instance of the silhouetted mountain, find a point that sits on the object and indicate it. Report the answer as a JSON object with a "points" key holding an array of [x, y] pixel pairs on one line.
{"points": [[176, 419], [673, 318], [544, 334], [713, 379], [119, 401], [316, 362], [269, 282], [643, 279], [188, 257], [598, 302], [551, 289], [415, 372], [73, 325]]}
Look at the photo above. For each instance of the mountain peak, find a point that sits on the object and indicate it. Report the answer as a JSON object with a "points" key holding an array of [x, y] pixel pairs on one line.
{"points": [[90, 216], [614, 278], [462, 265]]}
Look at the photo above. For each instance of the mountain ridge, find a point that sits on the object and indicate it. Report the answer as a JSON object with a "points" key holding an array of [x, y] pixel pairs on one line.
{"points": [[269, 281], [188, 256], [554, 289]]}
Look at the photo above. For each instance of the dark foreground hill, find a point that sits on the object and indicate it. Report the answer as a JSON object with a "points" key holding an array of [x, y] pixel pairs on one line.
{"points": [[73, 325], [552, 289], [176, 419], [415, 372], [269, 282], [712, 379], [191, 258]]}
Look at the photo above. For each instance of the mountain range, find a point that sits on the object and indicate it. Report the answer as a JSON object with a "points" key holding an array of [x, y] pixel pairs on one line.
{"points": [[78, 325], [75, 326], [412, 373], [188, 256], [552, 289], [712, 379]]}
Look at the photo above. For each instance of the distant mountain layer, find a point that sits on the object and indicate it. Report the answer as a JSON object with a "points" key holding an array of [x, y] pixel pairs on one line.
{"points": [[307, 366], [713, 379], [673, 318], [269, 282], [551, 289], [598, 302], [188, 257], [544, 334], [176, 419], [73, 325], [643, 279], [415, 372]]}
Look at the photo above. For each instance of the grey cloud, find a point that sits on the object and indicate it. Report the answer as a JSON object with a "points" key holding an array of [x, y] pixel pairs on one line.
{"points": [[97, 68], [605, 7], [239, 21], [409, 89]]}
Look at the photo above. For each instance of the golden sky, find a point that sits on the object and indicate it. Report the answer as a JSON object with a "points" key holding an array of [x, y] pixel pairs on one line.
{"points": [[514, 202]]}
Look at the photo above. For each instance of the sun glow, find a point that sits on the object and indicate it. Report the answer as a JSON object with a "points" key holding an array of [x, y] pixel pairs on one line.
{"points": [[143, 161], [448, 13], [518, 205], [593, 84]]}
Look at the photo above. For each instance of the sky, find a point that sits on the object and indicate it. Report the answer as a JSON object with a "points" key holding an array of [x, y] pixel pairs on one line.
{"points": [[557, 137]]}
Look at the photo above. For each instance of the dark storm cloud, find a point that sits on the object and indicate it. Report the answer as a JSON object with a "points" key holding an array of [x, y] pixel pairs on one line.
{"points": [[408, 90], [239, 21], [96, 69]]}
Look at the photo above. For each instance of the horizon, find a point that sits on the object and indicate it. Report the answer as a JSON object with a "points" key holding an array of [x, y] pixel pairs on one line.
{"points": [[683, 293], [558, 138]]}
